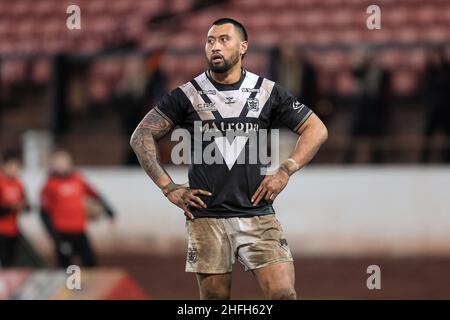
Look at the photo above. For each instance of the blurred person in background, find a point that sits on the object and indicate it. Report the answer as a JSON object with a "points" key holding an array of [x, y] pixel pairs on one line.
{"points": [[65, 210], [12, 202], [370, 115], [142, 85], [290, 68], [436, 95]]}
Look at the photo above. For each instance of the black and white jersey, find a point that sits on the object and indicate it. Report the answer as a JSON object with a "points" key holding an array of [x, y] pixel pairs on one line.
{"points": [[209, 111]]}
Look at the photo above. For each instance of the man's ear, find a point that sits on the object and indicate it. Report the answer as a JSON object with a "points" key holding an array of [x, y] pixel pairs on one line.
{"points": [[244, 47]]}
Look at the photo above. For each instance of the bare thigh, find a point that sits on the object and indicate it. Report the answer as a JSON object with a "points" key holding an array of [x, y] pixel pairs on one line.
{"points": [[214, 286], [277, 281]]}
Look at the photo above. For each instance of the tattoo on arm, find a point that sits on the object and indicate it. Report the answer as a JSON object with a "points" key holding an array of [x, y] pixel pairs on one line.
{"points": [[143, 141], [156, 123]]}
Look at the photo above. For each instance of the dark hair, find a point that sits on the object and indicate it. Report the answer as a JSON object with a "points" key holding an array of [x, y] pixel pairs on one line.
{"points": [[11, 155], [235, 23]]}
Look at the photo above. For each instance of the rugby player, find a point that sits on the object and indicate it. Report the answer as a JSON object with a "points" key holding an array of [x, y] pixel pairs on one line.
{"points": [[229, 205]]}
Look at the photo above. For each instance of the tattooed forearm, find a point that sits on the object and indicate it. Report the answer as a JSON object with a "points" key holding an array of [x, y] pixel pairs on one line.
{"points": [[143, 141], [156, 123]]}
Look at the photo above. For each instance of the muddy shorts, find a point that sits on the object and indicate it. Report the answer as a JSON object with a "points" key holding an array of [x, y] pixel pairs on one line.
{"points": [[215, 243]]}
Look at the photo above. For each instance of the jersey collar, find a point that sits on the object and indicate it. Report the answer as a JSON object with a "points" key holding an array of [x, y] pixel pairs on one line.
{"points": [[226, 87]]}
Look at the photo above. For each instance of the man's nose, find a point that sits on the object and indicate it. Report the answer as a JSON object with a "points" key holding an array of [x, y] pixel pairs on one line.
{"points": [[215, 47]]}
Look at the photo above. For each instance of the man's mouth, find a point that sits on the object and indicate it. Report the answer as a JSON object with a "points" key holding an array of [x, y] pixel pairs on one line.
{"points": [[216, 58]]}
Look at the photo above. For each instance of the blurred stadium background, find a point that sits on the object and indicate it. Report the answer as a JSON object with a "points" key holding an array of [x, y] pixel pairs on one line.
{"points": [[377, 193]]}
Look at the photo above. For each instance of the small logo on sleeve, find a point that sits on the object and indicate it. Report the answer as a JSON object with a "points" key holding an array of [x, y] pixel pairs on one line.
{"points": [[297, 105]]}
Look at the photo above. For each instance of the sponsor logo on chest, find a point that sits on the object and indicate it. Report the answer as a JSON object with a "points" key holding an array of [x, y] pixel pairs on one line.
{"points": [[206, 107], [211, 92]]}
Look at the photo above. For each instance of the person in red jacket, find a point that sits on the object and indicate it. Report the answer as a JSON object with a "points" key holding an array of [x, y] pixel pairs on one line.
{"points": [[12, 202], [64, 210]]}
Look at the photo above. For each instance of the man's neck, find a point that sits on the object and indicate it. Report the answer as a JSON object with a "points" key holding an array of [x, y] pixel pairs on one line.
{"points": [[231, 76]]}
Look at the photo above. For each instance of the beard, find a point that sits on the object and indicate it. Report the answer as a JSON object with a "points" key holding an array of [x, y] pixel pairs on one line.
{"points": [[225, 65]]}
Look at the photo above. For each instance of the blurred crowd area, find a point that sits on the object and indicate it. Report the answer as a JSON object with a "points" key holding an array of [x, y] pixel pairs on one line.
{"points": [[384, 94]]}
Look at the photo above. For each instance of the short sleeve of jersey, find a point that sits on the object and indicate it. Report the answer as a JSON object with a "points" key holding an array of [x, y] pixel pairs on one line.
{"points": [[173, 106], [288, 110]]}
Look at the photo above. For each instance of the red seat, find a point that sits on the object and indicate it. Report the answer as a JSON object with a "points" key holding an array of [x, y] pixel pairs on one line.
{"points": [[404, 81], [345, 84], [41, 71]]}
